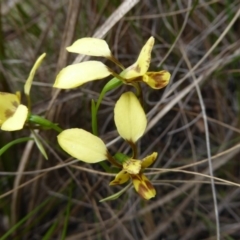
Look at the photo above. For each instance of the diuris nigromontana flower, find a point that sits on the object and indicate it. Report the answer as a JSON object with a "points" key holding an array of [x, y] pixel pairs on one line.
{"points": [[77, 74], [131, 123], [13, 114]]}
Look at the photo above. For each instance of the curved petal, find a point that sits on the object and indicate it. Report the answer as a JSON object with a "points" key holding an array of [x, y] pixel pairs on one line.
{"points": [[129, 117], [143, 186], [75, 75], [141, 66], [82, 145], [120, 178], [17, 120], [149, 160], [90, 46], [28, 84], [157, 80], [8, 105], [132, 166]]}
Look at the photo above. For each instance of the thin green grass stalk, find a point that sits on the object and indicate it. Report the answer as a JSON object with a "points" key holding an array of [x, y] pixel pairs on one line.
{"points": [[50, 231], [34, 223], [26, 18], [64, 232], [23, 220]]}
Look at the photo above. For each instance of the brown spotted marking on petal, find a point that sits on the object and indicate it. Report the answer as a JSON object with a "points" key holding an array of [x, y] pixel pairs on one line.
{"points": [[132, 80], [142, 190], [160, 82], [149, 185], [15, 104], [137, 69], [8, 113], [117, 181], [145, 189]]}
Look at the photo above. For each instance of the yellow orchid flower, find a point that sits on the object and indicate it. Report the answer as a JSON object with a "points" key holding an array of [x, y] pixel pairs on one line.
{"points": [[132, 169], [75, 75], [13, 114], [131, 122]]}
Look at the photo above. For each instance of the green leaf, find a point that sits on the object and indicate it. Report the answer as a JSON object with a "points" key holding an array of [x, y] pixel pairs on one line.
{"points": [[23, 220], [39, 145], [16, 141], [66, 221], [116, 195]]}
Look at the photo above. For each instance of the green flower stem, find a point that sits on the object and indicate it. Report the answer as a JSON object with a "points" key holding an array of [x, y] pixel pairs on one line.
{"points": [[112, 84], [35, 119], [94, 118]]}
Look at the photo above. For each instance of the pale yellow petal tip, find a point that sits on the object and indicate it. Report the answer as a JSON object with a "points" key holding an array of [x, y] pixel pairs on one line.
{"points": [[17, 120], [28, 84], [150, 193], [42, 56], [151, 41], [113, 183], [90, 46], [149, 160]]}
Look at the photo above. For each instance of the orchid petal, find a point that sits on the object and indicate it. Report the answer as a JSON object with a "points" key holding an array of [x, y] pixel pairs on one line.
{"points": [[82, 145], [90, 46], [157, 80], [140, 67], [75, 75], [129, 117], [28, 84], [149, 160], [143, 186], [120, 178], [17, 120]]}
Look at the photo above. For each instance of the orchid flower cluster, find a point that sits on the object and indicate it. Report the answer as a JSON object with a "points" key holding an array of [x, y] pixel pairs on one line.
{"points": [[129, 116]]}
